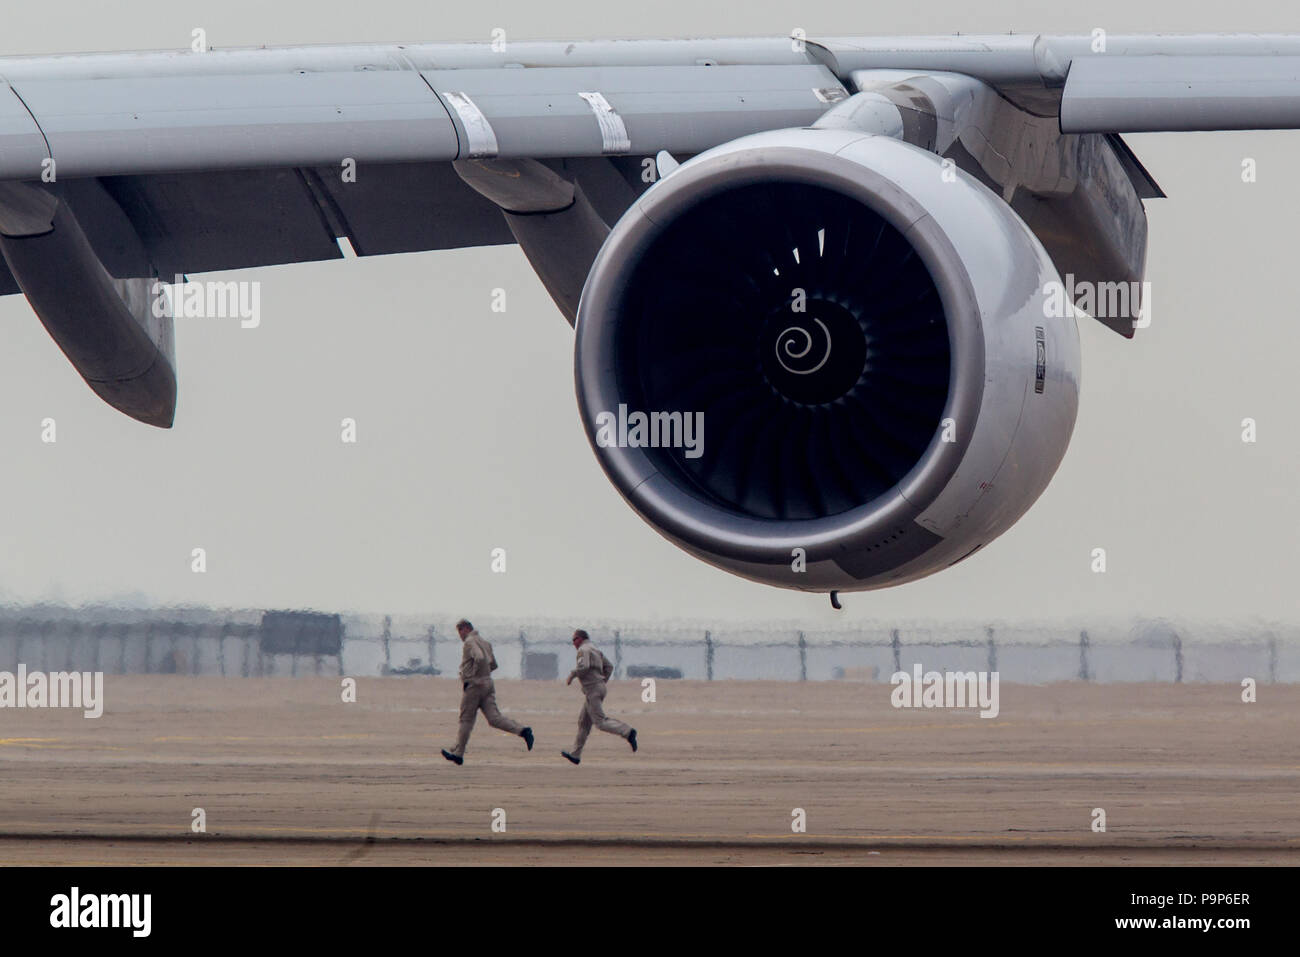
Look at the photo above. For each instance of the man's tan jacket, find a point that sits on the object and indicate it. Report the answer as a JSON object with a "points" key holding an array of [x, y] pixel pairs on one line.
{"points": [[594, 669], [476, 660]]}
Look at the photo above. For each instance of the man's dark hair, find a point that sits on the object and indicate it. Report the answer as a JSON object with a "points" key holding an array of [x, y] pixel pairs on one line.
{"points": [[464, 623], [579, 633]]}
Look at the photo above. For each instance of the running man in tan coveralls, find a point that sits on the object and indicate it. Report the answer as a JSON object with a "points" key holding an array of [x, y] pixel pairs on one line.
{"points": [[478, 692], [593, 671]]}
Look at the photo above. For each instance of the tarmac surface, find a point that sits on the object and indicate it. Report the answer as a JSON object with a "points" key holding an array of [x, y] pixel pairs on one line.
{"points": [[286, 772]]}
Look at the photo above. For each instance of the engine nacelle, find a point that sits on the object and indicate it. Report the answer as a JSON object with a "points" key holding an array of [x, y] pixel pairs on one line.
{"points": [[820, 360]]}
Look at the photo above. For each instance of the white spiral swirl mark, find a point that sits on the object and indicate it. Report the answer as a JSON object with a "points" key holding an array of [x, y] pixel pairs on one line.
{"points": [[782, 342]]}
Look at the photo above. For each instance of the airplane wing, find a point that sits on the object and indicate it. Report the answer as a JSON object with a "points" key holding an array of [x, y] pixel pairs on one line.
{"points": [[1159, 94], [117, 170], [233, 159]]}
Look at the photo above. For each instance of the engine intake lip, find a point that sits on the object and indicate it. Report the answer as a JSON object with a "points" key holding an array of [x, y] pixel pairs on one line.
{"points": [[680, 512]]}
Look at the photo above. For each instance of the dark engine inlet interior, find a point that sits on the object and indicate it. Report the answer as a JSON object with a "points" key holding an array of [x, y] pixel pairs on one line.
{"points": [[807, 331]]}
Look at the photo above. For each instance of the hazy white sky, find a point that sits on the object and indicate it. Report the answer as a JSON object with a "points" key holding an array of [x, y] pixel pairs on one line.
{"points": [[468, 433]]}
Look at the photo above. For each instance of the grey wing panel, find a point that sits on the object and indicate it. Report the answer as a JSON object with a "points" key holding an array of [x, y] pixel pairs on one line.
{"points": [[186, 121], [203, 222], [542, 113], [409, 207], [207, 222], [1151, 94], [123, 125]]}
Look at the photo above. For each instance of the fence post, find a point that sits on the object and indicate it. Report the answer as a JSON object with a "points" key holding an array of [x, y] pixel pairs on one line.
{"points": [[432, 650], [1083, 657], [387, 636], [708, 655], [993, 652], [803, 658], [893, 641], [1178, 659], [618, 653]]}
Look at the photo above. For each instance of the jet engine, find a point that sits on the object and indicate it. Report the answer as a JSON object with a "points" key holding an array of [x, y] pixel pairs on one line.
{"points": [[825, 360]]}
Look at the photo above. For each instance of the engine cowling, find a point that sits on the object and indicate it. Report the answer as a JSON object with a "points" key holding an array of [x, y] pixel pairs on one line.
{"points": [[820, 360]]}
